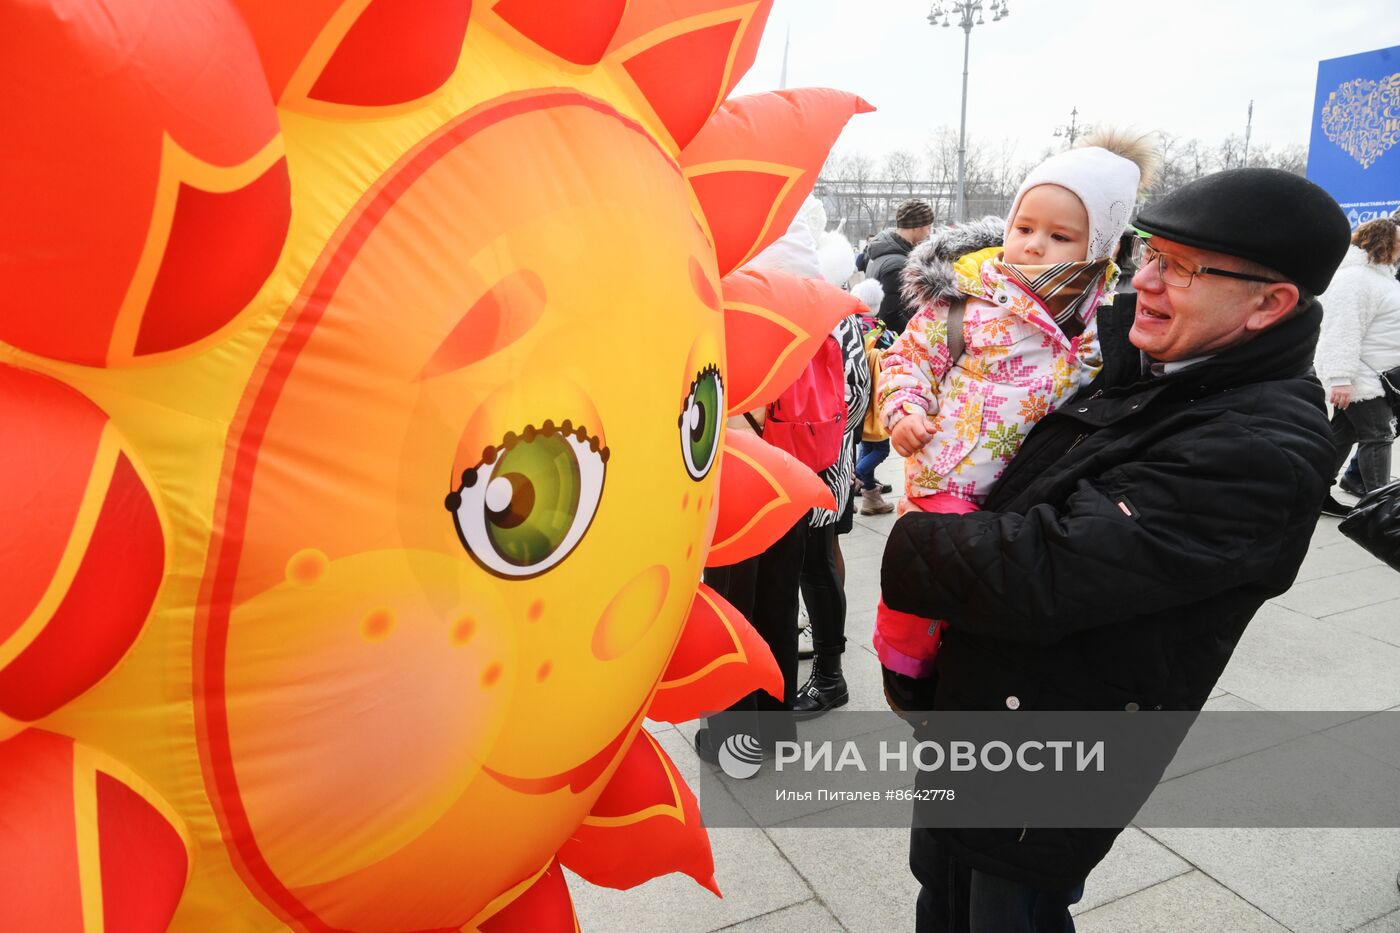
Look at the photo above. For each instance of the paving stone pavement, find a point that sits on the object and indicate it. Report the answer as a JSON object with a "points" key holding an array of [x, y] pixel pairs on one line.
{"points": [[1332, 642]]}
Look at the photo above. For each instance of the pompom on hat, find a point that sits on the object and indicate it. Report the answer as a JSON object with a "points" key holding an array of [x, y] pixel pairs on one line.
{"points": [[1264, 215], [870, 293], [1104, 179]]}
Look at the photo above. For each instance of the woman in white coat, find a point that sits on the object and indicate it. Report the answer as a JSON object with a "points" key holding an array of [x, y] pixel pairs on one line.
{"points": [[1360, 340]]}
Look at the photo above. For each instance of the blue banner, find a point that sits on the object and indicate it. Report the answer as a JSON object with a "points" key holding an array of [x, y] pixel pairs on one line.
{"points": [[1355, 148]]}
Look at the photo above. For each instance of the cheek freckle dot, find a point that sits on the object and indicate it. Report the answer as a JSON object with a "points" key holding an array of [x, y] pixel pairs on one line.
{"points": [[535, 611], [544, 671], [685, 501], [463, 630], [689, 549], [491, 674], [307, 566], [377, 624]]}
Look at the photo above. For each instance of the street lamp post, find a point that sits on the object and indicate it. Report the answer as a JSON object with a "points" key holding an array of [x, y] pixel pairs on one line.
{"points": [[1073, 130], [948, 12]]}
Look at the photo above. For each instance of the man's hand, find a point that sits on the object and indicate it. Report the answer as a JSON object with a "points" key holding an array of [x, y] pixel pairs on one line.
{"points": [[911, 434], [1341, 396]]}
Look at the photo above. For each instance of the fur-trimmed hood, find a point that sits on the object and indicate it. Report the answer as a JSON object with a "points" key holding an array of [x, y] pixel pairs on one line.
{"points": [[928, 275]]}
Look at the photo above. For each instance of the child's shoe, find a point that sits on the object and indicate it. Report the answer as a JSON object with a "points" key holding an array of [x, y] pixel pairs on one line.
{"points": [[872, 503]]}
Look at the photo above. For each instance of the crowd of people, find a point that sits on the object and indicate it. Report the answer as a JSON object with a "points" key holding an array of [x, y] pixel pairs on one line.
{"points": [[1106, 472]]}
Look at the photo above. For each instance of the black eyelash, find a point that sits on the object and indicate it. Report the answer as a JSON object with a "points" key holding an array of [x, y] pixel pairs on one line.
{"points": [[710, 370], [528, 434]]}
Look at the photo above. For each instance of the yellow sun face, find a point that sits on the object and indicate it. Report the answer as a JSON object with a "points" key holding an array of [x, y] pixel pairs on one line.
{"points": [[422, 525], [480, 453]]}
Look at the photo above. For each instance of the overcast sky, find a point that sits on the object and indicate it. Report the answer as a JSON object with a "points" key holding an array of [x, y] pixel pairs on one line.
{"points": [[1188, 67]]}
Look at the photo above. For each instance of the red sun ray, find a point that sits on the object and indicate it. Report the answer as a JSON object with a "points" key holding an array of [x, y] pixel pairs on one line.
{"points": [[664, 18], [719, 659], [773, 323], [544, 905], [396, 51], [576, 32], [762, 492], [684, 99], [192, 297], [88, 164], [684, 56], [392, 51], [757, 158], [60, 807], [137, 893], [646, 823], [88, 562]]}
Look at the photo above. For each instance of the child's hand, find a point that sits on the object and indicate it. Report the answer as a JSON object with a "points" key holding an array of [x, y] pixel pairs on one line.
{"points": [[911, 434]]}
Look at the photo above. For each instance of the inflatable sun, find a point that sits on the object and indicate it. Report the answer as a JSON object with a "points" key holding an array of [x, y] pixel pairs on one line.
{"points": [[364, 367]]}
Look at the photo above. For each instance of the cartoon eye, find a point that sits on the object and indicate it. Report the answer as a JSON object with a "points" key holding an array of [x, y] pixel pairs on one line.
{"points": [[700, 421], [531, 500]]}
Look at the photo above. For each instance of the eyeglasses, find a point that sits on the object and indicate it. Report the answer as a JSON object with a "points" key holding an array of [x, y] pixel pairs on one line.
{"points": [[1179, 273]]}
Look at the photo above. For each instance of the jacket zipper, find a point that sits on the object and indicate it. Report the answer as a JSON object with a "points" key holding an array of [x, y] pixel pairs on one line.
{"points": [[1080, 438]]}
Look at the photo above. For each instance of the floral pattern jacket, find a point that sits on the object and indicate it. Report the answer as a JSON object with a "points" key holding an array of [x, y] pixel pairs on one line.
{"points": [[1017, 367]]}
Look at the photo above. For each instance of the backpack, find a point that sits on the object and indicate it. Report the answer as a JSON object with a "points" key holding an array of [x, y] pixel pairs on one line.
{"points": [[808, 420], [877, 339]]}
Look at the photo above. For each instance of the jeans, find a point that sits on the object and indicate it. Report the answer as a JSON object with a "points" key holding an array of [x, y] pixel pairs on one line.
{"points": [[823, 593], [872, 454], [958, 899], [1367, 424]]}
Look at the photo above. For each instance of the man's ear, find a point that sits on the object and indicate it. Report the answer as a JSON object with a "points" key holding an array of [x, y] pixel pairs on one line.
{"points": [[1272, 303]]}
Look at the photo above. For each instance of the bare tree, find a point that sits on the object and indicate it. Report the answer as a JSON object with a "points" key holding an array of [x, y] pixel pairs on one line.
{"points": [[867, 196], [1230, 152], [1183, 161], [1291, 158], [902, 166], [941, 158], [982, 165], [853, 171]]}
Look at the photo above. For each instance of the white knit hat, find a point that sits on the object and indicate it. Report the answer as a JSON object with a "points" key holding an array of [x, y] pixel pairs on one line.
{"points": [[1105, 183]]}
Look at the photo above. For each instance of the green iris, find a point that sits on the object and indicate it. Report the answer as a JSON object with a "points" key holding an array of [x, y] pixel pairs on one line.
{"points": [[700, 421], [532, 499]]}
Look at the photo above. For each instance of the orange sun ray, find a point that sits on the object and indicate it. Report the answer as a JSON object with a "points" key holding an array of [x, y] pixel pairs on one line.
{"points": [[757, 158], [646, 823], [762, 491], [719, 659], [773, 323]]}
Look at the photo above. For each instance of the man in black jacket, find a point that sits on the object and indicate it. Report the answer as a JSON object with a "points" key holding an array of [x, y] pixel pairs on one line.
{"points": [[887, 254], [1140, 526]]}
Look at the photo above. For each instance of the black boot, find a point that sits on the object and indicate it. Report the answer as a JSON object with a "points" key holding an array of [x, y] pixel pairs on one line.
{"points": [[1330, 506], [824, 690]]}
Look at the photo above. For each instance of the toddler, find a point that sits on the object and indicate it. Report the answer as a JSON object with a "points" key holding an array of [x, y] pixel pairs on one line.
{"points": [[1005, 332]]}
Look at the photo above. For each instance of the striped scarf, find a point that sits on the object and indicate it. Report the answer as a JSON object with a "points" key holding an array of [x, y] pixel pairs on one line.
{"points": [[1064, 288]]}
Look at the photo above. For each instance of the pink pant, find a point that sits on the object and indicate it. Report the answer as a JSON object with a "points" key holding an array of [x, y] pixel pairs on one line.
{"points": [[906, 643]]}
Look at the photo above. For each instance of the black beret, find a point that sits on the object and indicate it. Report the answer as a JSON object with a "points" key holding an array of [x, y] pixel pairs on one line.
{"points": [[1265, 215]]}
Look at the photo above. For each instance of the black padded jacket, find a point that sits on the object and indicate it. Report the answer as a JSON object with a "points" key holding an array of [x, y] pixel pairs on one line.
{"points": [[1119, 558], [885, 261]]}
